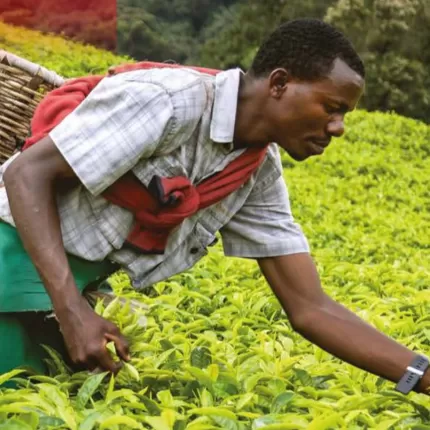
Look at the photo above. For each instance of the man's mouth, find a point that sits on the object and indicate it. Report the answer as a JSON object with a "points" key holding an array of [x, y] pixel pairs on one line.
{"points": [[318, 146]]}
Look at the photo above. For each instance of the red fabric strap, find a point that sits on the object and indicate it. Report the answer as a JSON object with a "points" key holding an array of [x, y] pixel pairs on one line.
{"points": [[167, 201]]}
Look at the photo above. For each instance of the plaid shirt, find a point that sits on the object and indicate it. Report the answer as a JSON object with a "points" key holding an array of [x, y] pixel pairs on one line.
{"points": [[166, 122]]}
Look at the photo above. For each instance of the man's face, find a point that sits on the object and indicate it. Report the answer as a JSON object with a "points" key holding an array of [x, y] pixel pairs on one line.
{"points": [[304, 116]]}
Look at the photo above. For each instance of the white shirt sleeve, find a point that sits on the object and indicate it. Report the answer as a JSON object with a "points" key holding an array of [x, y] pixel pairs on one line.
{"points": [[120, 122], [264, 226]]}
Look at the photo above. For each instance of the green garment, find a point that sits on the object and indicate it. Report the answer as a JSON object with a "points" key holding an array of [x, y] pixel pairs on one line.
{"points": [[25, 304]]}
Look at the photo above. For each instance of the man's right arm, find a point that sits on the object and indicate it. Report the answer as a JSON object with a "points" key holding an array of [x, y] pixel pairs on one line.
{"points": [[31, 182], [122, 121]]}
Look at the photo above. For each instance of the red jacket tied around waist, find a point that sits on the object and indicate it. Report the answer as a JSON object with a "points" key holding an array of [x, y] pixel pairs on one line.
{"points": [[166, 202]]}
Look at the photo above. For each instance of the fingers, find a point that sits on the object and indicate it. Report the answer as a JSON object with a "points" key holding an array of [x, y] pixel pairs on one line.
{"points": [[96, 370], [121, 345], [106, 362], [88, 348], [104, 358]]}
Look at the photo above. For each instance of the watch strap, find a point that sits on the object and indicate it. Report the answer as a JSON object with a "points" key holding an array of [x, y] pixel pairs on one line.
{"points": [[414, 373]]}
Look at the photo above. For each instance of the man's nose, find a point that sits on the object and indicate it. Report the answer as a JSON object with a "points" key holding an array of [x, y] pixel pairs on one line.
{"points": [[336, 127]]}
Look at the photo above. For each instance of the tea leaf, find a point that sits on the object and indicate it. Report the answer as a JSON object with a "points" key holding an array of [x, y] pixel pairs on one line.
{"points": [[88, 389], [110, 422], [9, 375], [280, 401], [201, 357]]}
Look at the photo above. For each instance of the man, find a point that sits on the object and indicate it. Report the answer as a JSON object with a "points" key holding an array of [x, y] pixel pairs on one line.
{"points": [[169, 123]]}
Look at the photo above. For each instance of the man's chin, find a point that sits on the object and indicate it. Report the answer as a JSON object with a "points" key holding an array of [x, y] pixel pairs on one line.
{"points": [[297, 156]]}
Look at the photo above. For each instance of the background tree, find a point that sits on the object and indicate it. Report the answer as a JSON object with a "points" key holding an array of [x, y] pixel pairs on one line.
{"points": [[235, 33], [162, 30], [393, 37]]}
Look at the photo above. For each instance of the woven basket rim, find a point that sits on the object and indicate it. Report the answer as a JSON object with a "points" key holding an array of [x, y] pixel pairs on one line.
{"points": [[23, 85], [33, 69]]}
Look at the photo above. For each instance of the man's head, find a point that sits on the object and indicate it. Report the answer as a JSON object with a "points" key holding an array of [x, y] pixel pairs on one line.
{"points": [[307, 76]]}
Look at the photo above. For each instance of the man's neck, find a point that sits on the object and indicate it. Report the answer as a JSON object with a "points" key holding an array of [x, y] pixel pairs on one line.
{"points": [[251, 125]]}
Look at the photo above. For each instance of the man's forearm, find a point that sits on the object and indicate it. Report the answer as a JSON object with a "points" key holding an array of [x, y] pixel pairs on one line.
{"points": [[340, 332], [31, 182], [33, 205], [295, 281]]}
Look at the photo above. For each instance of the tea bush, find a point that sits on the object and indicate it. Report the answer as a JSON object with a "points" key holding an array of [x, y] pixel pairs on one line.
{"points": [[213, 349], [67, 58]]}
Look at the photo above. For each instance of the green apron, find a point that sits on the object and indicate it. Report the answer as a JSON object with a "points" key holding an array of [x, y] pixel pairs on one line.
{"points": [[25, 304]]}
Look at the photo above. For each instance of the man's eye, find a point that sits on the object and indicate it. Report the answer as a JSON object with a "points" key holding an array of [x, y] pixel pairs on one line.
{"points": [[331, 109]]}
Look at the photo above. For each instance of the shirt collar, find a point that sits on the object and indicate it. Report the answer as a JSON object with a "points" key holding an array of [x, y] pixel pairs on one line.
{"points": [[225, 105]]}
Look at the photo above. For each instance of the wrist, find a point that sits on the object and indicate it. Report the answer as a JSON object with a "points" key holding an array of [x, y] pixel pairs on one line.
{"points": [[70, 304], [416, 376], [423, 386]]}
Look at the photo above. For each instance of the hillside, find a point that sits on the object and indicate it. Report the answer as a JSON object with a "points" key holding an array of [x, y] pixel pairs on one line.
{"points": [[217, 351], [69, 59]]}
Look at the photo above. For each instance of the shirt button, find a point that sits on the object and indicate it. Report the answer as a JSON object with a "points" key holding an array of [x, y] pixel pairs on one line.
{"points": [[194, 250]]}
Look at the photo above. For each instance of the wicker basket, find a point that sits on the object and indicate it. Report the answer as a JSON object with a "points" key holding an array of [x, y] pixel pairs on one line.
{"points": [[22, 86]]}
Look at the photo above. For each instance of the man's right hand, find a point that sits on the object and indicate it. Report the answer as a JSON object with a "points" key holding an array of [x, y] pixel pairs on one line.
{"points": [[86, 335]]}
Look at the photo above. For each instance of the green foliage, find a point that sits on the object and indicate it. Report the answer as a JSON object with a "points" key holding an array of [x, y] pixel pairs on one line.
{"points": [[163, 30], [395, 48], [235, 33], [67, 58], [212, 349], [393, 37]]}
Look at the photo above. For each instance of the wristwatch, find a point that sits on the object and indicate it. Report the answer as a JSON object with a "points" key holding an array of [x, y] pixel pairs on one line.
{"points": [[414, 373]]}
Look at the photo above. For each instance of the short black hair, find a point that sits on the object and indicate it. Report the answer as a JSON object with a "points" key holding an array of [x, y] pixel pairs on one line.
{"points": [[306, 48]]}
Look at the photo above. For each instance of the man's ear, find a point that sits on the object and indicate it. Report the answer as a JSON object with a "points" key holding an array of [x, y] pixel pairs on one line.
{"points": [[278, 81]]}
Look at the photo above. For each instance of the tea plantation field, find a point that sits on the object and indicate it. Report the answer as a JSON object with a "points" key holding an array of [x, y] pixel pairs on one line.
{"points": [[216, 351]]}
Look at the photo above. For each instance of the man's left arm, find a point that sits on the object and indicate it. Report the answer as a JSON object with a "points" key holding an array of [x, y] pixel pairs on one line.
{"points": [[295, 281], [264, 229]]}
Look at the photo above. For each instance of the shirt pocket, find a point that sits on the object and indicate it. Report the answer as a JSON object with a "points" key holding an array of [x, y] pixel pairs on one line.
{"points": [[168, 166]]}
